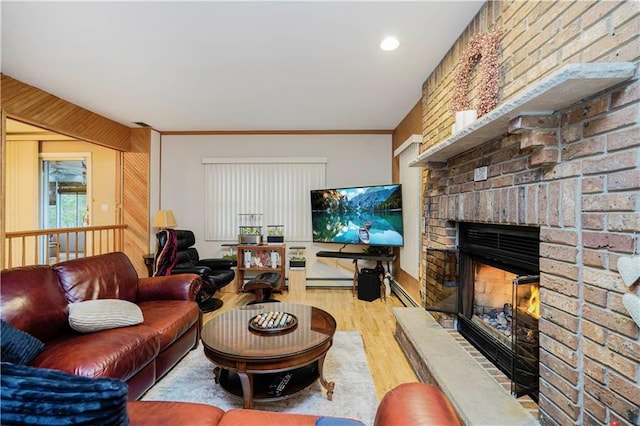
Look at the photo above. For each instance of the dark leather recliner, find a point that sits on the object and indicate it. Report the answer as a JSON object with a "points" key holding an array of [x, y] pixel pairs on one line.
{"points": [[215, 273]]}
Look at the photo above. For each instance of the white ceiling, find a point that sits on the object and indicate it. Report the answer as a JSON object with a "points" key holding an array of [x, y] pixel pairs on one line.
{"points": [[235, 65]]}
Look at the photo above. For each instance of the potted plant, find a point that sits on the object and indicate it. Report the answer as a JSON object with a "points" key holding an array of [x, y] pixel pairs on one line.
{"points": [[297, 262], [250, 228], [275, 234], [230, 256], [250, 234]]}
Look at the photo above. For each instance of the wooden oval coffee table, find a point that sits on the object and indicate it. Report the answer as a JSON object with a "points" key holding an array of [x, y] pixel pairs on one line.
{"points": [[268, 366]]}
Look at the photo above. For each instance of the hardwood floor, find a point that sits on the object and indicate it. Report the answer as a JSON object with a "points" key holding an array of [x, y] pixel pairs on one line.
{"points": [[375, 321]]}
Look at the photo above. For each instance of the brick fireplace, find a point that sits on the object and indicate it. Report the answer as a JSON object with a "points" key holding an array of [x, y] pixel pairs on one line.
{"points": [[573, 175], [563, 159]]}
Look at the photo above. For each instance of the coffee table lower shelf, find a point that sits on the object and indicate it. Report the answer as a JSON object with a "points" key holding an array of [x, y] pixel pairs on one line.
{"points": [[264, 383]]}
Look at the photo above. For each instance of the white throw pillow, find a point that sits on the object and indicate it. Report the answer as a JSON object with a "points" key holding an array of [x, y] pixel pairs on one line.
{"points": [[103, 314]]}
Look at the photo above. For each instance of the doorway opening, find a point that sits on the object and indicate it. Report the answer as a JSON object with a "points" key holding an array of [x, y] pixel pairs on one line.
{"points": [[65, 202]]}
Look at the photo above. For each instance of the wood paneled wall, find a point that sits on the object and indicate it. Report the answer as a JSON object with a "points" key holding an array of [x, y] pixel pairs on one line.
{"points": [[3, 185], [135, 198], [34, 106], [411, 124]]}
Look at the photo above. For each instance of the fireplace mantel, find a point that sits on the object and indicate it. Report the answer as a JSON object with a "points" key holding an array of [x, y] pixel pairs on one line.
{"points": [[567, 86]]}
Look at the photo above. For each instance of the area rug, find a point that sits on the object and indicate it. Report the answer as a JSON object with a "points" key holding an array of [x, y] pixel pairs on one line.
{"points": [[346, 364]]}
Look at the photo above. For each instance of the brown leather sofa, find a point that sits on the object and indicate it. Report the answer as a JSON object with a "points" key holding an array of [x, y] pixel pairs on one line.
{"points": [[409, 404], [35, 299]]}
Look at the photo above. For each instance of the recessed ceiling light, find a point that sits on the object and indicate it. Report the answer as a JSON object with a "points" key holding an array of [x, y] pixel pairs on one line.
{"points": [[389, 43]]}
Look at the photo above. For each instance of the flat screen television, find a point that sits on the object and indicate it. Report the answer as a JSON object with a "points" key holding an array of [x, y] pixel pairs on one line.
{"points": [[370, 215]]}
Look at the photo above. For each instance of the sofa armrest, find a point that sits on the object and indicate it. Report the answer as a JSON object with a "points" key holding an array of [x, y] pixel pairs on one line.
{"points": [[198, 270], [152, 413], [169, 287], [218, 263], [417, 404]]}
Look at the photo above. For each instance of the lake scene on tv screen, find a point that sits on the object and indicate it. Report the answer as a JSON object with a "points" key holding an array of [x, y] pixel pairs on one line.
{"points": [[361, 215]]}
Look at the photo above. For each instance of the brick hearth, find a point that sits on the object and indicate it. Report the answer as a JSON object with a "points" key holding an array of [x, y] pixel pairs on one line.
{"points": [[477, 389]]}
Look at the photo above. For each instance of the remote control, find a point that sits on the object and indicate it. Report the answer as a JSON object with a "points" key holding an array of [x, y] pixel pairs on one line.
{"points": [[277, 389]]}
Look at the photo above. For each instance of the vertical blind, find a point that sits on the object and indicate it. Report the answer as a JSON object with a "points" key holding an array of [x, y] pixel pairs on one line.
{"points": [[276, 188]]}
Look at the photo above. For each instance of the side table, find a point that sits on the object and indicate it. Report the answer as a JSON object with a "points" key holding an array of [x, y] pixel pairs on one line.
{"points": [[149, 261]]}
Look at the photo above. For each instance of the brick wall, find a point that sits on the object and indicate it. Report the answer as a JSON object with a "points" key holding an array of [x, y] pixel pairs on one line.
{"points": [[578, 179]]}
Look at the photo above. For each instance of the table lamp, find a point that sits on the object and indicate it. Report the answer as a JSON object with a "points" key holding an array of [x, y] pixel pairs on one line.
{"points": [[164, 219]]}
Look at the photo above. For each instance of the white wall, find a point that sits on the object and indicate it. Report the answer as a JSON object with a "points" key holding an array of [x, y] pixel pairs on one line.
{"points": [[352, 160]]}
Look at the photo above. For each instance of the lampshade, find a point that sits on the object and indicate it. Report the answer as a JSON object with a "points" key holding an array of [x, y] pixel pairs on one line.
{"points": [[164, 219]]}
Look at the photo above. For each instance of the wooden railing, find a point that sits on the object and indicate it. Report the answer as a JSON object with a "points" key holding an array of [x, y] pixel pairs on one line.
{"points": [[49, 246]]}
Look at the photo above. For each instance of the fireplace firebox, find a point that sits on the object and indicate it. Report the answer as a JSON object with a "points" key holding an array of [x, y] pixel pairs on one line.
{"points": [[495, 296]]}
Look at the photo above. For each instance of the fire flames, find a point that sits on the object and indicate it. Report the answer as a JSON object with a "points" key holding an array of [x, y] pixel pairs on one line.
{"points": [[534, 302]]}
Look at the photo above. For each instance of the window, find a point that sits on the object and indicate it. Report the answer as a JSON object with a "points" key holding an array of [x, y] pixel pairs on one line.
{"points": [[66, 198]]}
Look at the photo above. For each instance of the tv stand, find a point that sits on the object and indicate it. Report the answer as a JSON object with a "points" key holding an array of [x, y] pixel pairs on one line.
{"points": [[379, 258]]}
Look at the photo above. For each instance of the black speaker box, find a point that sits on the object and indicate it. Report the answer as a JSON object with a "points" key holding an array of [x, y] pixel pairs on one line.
{"points": [[368, 285]]}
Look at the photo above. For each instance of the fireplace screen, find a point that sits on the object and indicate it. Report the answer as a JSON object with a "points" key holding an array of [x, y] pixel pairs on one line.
{"points": [[525, 337]]}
